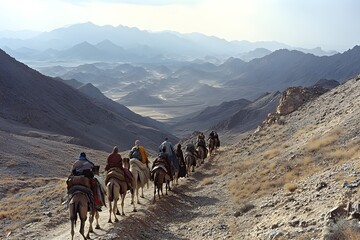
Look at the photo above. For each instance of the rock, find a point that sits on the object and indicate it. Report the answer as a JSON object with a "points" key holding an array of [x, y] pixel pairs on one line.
{"points": [[274, 226], [303, 224], [321, 185], [294, 97], [294, 223]]}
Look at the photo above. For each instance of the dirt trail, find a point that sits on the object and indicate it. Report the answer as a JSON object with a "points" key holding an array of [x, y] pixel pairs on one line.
{"points": [[197, 208]]}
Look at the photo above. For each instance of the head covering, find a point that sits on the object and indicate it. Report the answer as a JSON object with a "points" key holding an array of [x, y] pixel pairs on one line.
{"points": [[82, 156], [137, 142], [115, 149], [163, 149]]}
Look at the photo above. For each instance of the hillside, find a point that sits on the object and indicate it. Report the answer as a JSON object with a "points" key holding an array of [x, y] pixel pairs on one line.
{"points": [[234, 117], [279, 182], [50, 107]]}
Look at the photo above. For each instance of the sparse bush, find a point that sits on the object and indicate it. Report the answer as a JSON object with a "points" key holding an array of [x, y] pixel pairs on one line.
{"points": [[291, 187], [319, 142], [246, 207], [271, 153]]}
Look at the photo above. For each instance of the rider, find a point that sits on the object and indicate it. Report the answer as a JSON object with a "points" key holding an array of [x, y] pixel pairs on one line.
{"points": [[84, 166], [169, 149], [212, 135], [190, 150], [163, 156], [114, 160], [139, 153], [201, 140], [180, 157], [217, 140], [101, 185]]}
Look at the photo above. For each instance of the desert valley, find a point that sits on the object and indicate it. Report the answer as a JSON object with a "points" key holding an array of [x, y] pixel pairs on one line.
{"points": [[288, 166]]}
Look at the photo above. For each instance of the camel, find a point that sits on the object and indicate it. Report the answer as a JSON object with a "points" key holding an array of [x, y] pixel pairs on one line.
{"points": [[141, 176], [201, 150], [190, 162], [159, 180], [78, 205], [116, 187], [211, 146]]}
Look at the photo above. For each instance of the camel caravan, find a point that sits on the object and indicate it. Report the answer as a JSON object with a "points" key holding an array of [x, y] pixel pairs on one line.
{"points": [[88, 192]]}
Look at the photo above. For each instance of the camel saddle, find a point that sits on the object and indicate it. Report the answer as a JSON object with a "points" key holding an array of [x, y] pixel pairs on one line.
{"points": [[116, 173]]}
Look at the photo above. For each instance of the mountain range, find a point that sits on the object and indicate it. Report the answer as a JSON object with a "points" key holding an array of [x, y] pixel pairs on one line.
{"points": [[39, 106], [186, 87], [88, 41]]}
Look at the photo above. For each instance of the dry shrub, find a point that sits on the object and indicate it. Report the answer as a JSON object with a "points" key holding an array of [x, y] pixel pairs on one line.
{"points": [[246, 207], [347, 152], [320, 142], [291, 187], [244, 165], [271, 153]]}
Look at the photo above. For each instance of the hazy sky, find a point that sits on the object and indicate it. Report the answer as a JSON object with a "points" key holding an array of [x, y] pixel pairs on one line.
{"points": [[331, 24]]}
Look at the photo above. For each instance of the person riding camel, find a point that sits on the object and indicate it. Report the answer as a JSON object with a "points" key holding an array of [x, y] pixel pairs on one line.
{"points": [[84, 167], [217, 140], [212, 135], [100, 184], [163, 157], [169, 150], [139, 153], [180, 157], [114, 160], [190, 149], [201, 140]]}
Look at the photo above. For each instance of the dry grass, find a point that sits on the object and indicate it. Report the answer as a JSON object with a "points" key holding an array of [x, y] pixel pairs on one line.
{"points": [[271, 153], [291, 187], [206, 181], [266, 171], [24, 201], [352, 150], [318, 143]]}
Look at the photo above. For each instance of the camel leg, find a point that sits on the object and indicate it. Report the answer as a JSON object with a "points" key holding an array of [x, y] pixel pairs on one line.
{"points": [[122, 204], [142, 191], [97, 220], [110, 210], [91, 219], [137, 194], [82, 226], [154, 190], [72, 229], [176, 177], [115, 209]]}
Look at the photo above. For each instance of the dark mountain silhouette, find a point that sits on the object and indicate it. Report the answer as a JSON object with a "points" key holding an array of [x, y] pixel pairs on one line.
{"points": [[32, 100]]}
